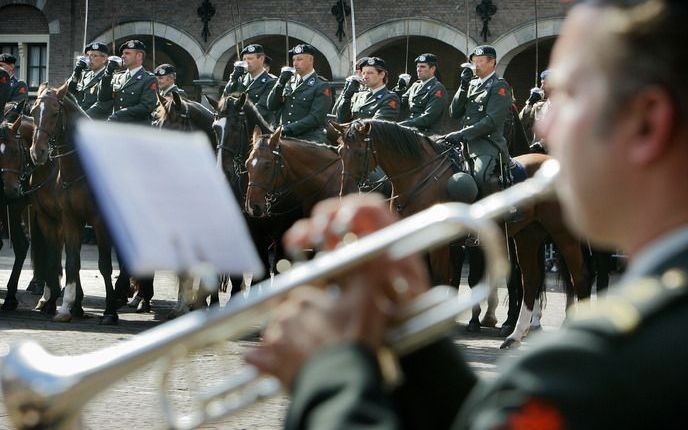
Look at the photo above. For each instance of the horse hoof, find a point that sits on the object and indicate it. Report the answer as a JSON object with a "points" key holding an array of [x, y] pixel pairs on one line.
{"points": [[535, 328], [109, 319], [489, 321], [10, 304], [510, 343], [506, 329], [473, 327], [62, 317], [35, 287], [47, 308], [78, 312]]}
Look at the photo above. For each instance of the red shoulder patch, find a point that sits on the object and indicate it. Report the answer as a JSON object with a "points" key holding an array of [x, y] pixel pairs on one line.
{"points": [[392, 103], [327, 91], [154, 86], [439, 93], [536, 414], [502, 91], [22, 90], [3, 80]]}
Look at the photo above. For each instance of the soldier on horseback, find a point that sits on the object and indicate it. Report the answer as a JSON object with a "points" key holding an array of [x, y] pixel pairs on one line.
{"points": [[427, 98], [481, 105], [166, 74], [19, 91], [376, 101], [535, 109], [83, 84], [353, 88], [250, 76]]}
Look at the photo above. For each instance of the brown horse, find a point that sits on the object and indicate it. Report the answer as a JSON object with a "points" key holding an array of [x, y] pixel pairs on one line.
{"points": [[282, 169], [179, 114], [55, 113], [419, 170]]}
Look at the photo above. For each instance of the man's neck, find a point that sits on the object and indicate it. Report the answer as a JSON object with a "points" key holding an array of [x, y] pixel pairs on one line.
{"points": [[257, 73], [304, 75], [379, 88], [133, 68], [488, 76], [428, 79], [96, 71]]}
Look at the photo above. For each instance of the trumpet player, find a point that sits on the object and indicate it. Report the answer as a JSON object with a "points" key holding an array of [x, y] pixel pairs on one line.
{"points": [[87, 74], [619, 127]]}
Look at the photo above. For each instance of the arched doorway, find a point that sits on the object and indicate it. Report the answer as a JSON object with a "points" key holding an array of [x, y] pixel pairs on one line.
{"points": [[169, 52], [521, 71], [274, 46]]}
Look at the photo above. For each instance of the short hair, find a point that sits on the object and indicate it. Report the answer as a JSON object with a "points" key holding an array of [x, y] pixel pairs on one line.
{"points": [[646, 49]]}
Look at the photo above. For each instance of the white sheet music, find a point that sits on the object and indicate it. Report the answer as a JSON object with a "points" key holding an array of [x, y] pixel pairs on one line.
{"points": [[167, 205]]}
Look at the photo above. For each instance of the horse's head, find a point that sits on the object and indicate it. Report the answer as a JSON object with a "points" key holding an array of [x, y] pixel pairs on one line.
{"points": [[357, 151], [15, 166], [228, 124], [264, 165], [172, 113], [49, 119]]}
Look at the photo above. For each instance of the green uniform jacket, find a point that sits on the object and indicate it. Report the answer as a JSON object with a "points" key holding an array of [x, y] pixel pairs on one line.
{"points": [[620, 362], [85, 89], [257, 91], [304, 107], [427, 103], [132, 101], [482, 111], [381, 105], [18, 92]]}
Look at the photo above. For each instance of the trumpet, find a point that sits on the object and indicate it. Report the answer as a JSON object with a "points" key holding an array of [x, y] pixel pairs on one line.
{"points": [[46, 391]]}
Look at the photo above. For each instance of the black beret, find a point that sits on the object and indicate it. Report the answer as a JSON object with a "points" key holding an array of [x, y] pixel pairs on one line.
{"points": [[268, 60], [252, 49], [376, 62], [132, 44], [164, 69], [302, 48], [8, 59], [483, 50], [97, 46], [360, 62], [427, 58]]}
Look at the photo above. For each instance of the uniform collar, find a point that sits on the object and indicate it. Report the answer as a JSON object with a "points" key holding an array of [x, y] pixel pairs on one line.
{"points": [[487, 78], [305, 78], [253, 78], [95, 72], [428, 80], [378, 89], [133, 72], [168, 90], [651, 257]]}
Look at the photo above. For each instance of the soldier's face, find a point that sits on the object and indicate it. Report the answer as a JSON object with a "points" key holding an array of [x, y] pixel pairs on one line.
{"points": [[164, 82], [254, 62], [424, 71], [591, 184], [96, 59], [371, 77], [132, 58], [484, 65], [303, 63]]}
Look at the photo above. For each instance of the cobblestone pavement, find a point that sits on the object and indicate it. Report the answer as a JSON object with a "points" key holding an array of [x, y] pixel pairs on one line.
{"points": [[134, 402]]}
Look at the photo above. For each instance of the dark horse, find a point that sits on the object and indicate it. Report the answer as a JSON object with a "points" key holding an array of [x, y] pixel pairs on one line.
{"points": [[15, 170], [55, 113], [235, 120], [291, 169], [419, 170]]}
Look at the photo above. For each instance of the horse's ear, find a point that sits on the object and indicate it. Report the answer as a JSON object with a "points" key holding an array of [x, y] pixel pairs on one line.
{"points": [[42, 88], [16, 124], [256, 134], [211, 101], [363, 127], [240, 101], [275, 138], [177, 100], [62, 90]]}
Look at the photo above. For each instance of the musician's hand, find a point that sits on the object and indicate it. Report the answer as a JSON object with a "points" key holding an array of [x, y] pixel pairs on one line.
{"points": [[455, 138], [370, 296], [466, 77]]}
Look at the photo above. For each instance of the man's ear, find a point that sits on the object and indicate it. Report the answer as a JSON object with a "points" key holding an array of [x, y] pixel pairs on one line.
{"points": [[652, 124]]}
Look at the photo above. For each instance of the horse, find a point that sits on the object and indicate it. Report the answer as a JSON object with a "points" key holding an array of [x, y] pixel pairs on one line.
{"points": [[280, 169], [236, 118], [55, 113], [181, 114], [419, 169]]}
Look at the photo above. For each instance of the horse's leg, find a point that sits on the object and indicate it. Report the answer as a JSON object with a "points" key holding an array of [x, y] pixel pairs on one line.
{"points": [[48, 238], [112, 303], [570, 250], [20, 245], [603, 262], [475, 274], [515, 290], [528, 242], [72, 268]]}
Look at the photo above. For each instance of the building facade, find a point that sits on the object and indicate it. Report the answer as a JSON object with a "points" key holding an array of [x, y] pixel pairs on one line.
{"points": [[47, 35]]}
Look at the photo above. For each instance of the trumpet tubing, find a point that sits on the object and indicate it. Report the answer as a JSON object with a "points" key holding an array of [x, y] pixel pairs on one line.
{"points": [[43, 390]]}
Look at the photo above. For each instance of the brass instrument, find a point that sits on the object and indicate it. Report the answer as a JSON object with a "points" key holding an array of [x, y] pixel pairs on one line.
{"points": [[45, 391]]}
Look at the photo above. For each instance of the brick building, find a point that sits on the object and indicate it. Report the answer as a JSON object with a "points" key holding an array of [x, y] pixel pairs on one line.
{"points": [[47, 35]]}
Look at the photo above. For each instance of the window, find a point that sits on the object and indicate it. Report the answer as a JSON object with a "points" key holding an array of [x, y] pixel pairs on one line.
{"points": [[37, 65]]}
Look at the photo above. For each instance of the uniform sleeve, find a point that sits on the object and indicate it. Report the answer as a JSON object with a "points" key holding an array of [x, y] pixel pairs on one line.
{"points": [[317, 115], [343, 107], [389, 108], [341, 388], [232, 86], [433, 112], [275, 97], [148, 99], [526, 117], [498, 105], [73, 82], [262, 104], [103, 106], [457, 109], [405, 97]]}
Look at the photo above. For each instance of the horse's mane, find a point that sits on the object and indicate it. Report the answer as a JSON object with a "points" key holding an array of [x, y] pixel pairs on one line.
{"points": [[404, 140]]}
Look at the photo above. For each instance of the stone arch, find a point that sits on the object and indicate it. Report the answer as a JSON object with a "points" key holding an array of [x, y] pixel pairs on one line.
{"points": [[515, 41], [23, 19], [395, 29], [220, 49], [164, 31]]}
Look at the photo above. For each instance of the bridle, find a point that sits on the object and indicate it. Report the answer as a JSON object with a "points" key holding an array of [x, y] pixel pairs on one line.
{"points": [[238, 157], [27, 168]]}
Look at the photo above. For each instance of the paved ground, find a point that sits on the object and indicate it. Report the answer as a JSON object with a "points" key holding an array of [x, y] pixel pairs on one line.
{"points": [[134, 402]]}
